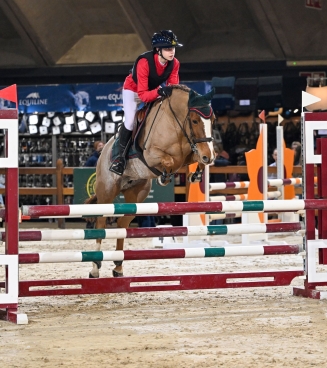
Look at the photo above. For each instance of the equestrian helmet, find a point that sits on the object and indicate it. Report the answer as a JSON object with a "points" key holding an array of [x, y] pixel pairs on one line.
{"points": [[164, 39]]}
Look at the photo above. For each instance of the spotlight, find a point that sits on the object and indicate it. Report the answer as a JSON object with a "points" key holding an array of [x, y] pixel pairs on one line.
{"points": [[80, 114], [115, 117], [68, 128], [43, 130], [109, 127], [57, 121], [32, 129], [83, 125], [56, 130], [70, 119], [33, 119], [95, 127], [89, 116], [46, 122]]}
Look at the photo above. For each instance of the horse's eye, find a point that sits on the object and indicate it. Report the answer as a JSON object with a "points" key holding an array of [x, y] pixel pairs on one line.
{"points": [[194, 122]]}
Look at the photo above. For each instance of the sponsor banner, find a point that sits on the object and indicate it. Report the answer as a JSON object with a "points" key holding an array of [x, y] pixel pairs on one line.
{"points": [[98, 97], [57, 98], [77, 97], [84, 187]]}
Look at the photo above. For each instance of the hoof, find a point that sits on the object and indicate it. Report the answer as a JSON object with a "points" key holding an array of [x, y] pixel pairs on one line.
{"points": [[194, 177], [117, 274], [98, 263], [161, 183], [93, 277]]}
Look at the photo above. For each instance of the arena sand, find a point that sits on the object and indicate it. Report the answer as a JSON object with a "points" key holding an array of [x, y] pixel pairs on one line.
{"points": [[257, 327]]}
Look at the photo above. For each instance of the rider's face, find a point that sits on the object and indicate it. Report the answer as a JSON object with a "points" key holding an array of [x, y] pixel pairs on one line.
{"points": [[168, 53]]}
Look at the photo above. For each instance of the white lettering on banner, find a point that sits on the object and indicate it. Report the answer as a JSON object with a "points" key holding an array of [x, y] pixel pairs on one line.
{"points": [[112, 97], [33, 102], [115, 96]]}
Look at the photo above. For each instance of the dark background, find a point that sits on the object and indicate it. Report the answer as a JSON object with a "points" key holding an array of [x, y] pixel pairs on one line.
{"points": [[94, 41]]}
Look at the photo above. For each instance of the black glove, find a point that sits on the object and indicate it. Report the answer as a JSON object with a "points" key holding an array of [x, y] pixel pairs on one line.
{"points": [[165, 91]]}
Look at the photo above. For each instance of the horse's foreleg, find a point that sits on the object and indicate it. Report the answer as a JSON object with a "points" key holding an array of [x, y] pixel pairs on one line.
{"points": [[158, 157], [155, 156], [197, 176], [100, 224]]}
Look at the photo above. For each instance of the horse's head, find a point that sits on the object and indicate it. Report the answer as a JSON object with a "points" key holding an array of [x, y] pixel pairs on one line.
{"points": [[201, 118]]}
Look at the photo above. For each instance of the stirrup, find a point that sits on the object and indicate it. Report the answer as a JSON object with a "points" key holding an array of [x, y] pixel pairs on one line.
{"points": [[118, 167]]}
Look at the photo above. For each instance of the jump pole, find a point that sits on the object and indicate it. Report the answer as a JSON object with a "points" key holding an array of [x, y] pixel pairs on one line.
{"points": [[136, 255], [122, 233], [169, 208]]}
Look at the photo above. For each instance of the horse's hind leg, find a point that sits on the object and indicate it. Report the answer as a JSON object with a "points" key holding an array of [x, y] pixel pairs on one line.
{"points": [[100, 224], [136, 194], [122, 222]]}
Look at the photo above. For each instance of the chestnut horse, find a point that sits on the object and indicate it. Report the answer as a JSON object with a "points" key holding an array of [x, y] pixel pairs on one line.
{"points": [[177, 132]]}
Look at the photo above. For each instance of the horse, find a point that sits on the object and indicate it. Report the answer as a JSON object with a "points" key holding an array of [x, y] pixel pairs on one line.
{"points": [[177, 132]]}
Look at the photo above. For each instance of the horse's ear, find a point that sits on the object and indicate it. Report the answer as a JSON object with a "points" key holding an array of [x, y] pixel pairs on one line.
{"points": [[208, 96], [192, 95], [194, 99]]}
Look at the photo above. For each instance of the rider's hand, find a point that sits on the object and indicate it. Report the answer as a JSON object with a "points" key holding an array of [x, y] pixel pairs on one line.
{"points": [[165, 91]]}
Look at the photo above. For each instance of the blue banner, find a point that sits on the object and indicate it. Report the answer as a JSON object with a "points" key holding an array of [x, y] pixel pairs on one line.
{"points": [[78, 97], [56, 98], [98, 97]]}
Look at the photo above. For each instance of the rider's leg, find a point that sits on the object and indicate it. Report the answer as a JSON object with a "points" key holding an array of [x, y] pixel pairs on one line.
{"points": [[125, 137], [130, 102]]}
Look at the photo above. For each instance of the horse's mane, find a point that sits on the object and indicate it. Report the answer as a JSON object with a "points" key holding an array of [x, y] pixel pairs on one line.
{"points": [[181, 86]]}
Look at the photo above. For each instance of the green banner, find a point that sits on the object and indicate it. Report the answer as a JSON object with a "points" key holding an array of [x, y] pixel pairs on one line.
{"points": [[84, 187]]}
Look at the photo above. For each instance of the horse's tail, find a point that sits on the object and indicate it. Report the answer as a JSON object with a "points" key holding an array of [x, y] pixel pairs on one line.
{"points": [[91, 200]]}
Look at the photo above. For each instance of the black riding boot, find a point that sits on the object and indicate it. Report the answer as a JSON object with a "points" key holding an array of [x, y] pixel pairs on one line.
{"points": [[119, 165]]}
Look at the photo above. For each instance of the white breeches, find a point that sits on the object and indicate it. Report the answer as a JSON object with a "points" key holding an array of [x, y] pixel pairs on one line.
{"points": [[131, 101]]}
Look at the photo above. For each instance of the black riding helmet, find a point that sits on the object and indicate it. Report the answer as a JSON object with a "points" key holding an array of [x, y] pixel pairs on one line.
{"points": [[165, 39]]}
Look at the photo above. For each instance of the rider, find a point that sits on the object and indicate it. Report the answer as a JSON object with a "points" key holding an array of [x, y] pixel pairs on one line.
{"points": [[143, 84]]}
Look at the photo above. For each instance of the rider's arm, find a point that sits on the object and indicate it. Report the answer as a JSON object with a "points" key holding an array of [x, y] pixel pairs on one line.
{"points": [[143, 82], [174, 76]]}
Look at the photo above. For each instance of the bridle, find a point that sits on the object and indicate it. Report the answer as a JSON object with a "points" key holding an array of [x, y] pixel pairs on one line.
{"points": [[192, 140]]}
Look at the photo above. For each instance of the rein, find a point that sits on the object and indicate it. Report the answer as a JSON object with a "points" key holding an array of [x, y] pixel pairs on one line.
{"points": [[154, 119]]}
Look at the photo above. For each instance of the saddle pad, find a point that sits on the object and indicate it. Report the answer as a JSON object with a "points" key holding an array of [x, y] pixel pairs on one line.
{"points": [[115, 151]]}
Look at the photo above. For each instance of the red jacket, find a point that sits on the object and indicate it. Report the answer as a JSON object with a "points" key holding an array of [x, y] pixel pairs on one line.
{"points": [[142, 71]]}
